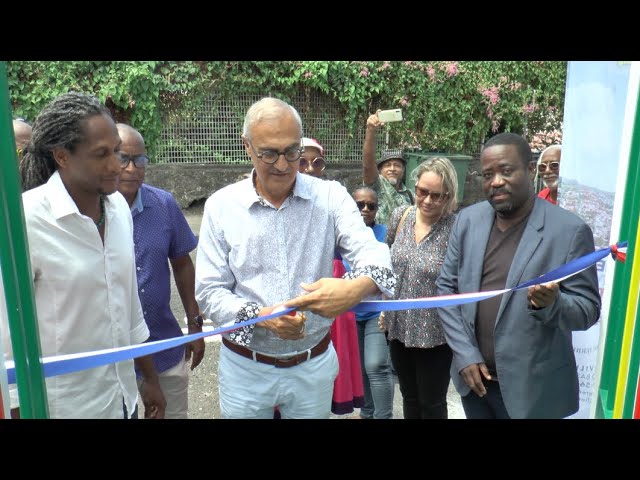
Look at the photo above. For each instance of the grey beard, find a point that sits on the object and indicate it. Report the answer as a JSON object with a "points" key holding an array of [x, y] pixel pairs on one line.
{"points": [[393, 181]]}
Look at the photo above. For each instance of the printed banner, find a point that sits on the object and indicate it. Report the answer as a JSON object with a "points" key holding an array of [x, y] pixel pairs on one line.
{"points": [[593, 116]]}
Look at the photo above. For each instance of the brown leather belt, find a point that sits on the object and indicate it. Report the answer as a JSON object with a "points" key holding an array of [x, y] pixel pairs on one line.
{"points": [[284, 362]]}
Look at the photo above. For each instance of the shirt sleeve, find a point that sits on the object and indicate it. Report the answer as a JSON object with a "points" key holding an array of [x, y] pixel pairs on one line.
{"points": [[215, 280], [139, 332], [183, 240]]}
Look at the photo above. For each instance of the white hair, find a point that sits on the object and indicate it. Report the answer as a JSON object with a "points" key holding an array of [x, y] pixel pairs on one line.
{"points": [[267, 108], [550, 147]]}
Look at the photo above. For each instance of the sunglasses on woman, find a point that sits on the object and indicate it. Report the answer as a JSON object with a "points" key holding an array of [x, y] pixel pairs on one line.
{"points": [[553, 166], [436, 197], [369, 205], [317, 163]]}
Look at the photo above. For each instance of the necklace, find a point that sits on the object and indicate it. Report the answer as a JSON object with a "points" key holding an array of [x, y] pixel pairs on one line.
{"points": [[100, 222]]}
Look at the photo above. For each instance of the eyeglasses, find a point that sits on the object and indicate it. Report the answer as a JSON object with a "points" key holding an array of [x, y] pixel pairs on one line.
{"points": [[553, 166], [140, 161], [436, 197], [317, 163], [291, 154], [369, 205]]}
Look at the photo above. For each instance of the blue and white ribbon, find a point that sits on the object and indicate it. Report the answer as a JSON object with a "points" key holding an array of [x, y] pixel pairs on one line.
{"points": [[61, 364]]}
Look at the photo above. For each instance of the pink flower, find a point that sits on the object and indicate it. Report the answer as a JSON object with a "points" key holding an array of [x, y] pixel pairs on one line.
{"points": [[408, 64], [529, 108], [364, 72], [308, 74], [495, 125], [385, 65], [404, 101], [491, 94], [431, 72], [452, 69]]}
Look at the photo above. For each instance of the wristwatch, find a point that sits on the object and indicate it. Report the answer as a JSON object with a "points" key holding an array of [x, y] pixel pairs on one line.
{"points": [[197, 321]]}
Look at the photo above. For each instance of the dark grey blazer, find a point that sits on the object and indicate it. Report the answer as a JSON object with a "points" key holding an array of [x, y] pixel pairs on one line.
{"points": [[534, 357]]}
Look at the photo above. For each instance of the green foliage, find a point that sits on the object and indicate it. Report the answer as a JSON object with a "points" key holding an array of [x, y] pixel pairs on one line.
{"points": [[447, 106]]}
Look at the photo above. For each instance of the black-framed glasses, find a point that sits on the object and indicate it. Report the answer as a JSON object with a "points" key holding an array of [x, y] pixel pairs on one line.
{"points": [[317, 163], [370, 205], [291, 154], [436, 197], [140, 161], [553, 166]]}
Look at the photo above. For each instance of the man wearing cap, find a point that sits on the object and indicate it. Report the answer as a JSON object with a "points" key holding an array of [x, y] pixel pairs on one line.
{"points": [[385, 175], [312, 161]]}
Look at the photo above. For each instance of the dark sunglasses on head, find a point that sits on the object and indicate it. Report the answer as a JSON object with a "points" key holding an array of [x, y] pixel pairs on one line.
{"points": [[369, 205], [553, 166], [317, 163], [140, 161]]}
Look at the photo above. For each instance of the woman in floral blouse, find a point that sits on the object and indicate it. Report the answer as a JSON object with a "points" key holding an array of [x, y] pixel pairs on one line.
{"points": [[418, 242]]}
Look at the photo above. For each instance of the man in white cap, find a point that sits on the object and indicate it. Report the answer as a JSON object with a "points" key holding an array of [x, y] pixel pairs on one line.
{"points": [[384, 176]]}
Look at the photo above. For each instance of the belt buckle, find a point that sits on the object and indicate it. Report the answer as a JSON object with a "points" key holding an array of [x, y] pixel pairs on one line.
{"points": [[287, 362]]}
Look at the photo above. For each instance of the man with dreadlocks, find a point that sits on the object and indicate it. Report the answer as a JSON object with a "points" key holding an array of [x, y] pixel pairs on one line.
{"points": [[80, 236]]}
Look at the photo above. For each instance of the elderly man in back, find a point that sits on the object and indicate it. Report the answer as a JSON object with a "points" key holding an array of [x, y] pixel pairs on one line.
{"points": [[385, 175], [22, 133]]}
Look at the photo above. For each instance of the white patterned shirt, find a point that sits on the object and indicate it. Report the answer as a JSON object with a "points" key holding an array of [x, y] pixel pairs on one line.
{"points": [[251, 255]]}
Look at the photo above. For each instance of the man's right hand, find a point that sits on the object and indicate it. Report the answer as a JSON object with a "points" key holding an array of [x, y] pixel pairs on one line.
{"points": [[287, 327], [472, 376], [373, 121]]}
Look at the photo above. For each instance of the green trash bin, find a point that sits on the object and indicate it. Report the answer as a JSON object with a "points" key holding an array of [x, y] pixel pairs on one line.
{"points": [[460, 163]]}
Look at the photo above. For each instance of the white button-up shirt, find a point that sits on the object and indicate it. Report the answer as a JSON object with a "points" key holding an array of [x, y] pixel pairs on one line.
{"points": [[86, 298], [249, 251]]}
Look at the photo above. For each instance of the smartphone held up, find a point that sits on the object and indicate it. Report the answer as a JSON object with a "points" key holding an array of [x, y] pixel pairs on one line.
{"points": [[386, 116]]}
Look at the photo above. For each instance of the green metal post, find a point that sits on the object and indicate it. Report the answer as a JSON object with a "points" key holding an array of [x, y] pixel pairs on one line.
{"points": [[622, 276], [16, 271]]}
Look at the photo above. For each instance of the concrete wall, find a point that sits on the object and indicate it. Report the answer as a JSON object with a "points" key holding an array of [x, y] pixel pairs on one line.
{"points": [[192, 184]]}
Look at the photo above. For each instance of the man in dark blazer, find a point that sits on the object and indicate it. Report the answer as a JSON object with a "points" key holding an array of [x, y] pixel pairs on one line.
{"points": [[513, 356]]}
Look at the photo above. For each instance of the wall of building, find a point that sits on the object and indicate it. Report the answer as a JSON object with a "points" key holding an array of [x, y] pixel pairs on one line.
{"points": [[192, 184]]}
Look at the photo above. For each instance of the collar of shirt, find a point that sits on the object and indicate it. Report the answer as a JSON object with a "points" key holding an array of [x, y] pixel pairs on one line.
{"points": [[61, 202], [301, 188], [137, 203]]}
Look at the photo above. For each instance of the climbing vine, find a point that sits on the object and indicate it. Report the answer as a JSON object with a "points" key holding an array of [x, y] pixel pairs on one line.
{"points": [[447, 105]]}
